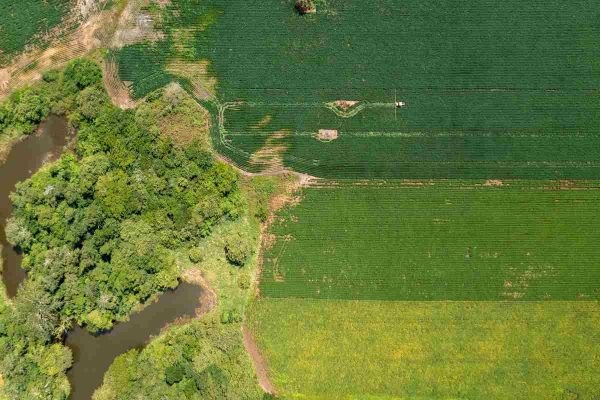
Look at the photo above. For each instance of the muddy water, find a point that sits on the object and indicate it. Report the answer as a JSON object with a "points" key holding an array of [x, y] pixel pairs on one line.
{"points": [[26, 157], [92, 355]]}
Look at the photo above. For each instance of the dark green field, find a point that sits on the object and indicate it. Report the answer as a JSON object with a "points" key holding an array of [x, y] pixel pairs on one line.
{"points": [[440, 241], [22, 21], [503, 90]]}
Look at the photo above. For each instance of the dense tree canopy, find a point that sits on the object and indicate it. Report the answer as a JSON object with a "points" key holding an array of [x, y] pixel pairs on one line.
{"points": [[201, 360], [100, 227]]}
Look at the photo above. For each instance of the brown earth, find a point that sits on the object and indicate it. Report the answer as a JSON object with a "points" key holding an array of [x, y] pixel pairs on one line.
{"points": [[345, 105], [493, 182], [203, 85], [270, 155], [116, 89], [260, 365], [101, 28], [327, 135], [28, 67]]}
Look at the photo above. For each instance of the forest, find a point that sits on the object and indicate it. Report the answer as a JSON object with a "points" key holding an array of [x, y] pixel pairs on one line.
{"points": [[99, 228]]}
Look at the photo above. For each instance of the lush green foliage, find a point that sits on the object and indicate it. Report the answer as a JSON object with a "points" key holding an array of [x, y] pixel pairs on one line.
{"points": [[23, 111], [201, 360], [437, 240], [329, 350], [22, 22], [497, 135], [101, 228], [98, 232], [76, 92], [31, 367]]}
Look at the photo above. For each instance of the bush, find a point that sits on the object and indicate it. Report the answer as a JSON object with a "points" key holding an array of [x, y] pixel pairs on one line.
{"points": [[30, 107], [91, 101], [82, 73], [237, 250], [55, 359], [231, 316], [195, 254], [51, 75], [17, 233], [98, 321], [244, 281], [174, 374]]}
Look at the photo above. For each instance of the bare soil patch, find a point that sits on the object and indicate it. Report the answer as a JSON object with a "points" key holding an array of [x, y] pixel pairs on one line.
{"points": [[493, 182], [345, 105], [203, 85], [266, 120], [327, 135], [135, 25], [270, 156], [117, 89], [29, 66], [260, 365]]}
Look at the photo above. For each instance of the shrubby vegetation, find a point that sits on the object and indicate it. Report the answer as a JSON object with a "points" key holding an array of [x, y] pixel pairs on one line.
{"points": [[76, 91], [100, 228], [201, 360], [33, 362], [24, 109]]}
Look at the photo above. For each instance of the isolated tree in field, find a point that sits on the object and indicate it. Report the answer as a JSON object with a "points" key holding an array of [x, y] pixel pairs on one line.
{"points": [[305, 6]]}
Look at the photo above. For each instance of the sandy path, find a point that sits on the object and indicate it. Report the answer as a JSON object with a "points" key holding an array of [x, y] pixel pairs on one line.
{"points": [[260, 365]]}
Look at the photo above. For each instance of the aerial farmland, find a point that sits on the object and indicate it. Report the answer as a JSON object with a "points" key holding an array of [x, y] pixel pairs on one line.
{"points": [[300, 199]]}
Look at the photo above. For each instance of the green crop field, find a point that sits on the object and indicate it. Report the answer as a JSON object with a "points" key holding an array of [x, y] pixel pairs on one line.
{"points": [[503, 90], [330, 350], [433, 289], [390, 289], [437, 240], [23, 21]]}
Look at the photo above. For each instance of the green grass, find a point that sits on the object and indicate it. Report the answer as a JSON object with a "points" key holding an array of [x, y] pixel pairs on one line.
{"points": [[23, 21], [488, 94], [430, 350], [444, 240]]}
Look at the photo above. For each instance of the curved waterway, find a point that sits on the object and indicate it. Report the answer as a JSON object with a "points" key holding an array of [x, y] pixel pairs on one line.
{"points": [[24, 159], [92, 354]]}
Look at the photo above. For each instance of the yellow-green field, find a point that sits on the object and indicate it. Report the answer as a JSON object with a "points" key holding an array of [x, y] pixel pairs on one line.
{"points": [[325, 349]]}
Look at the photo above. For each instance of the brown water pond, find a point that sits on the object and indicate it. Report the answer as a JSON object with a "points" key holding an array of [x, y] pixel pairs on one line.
{"points": [[92, 354]]}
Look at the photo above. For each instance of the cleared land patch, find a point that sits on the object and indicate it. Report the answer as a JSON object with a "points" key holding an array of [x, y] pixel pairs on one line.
{"points": [[328, 350], [437, 240]]}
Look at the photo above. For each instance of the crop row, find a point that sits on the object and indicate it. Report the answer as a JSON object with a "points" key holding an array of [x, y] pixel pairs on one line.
{"points": [[436, 243]]}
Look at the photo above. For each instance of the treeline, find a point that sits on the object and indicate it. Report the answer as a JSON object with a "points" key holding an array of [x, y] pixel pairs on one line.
{"points": [[59, 92], [98, 228]]}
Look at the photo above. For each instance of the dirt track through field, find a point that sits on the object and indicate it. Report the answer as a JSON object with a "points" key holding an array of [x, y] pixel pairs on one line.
{"points": [[260, 365]]}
